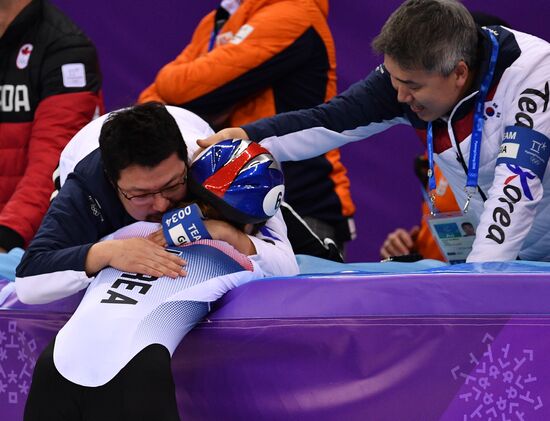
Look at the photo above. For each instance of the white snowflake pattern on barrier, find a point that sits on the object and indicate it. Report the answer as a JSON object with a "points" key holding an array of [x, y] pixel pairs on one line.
{"points": [[500, 384], [17, 361]]}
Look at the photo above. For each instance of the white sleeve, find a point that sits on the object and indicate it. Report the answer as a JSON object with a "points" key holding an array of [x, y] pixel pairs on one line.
{"points": [[274, 255], [523, 153], [48, 287], [508, 215], [82, 143]]}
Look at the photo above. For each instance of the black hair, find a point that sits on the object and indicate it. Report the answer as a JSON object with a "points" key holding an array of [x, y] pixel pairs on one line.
{"points": [[210, 211], [143, 135]]}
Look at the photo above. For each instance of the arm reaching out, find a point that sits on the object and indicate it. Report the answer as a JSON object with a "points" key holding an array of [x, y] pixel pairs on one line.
{"points": [[229, 133]]}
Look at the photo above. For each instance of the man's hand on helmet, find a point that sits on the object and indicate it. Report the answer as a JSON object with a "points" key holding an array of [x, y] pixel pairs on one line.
{"points": [[229, 133]]}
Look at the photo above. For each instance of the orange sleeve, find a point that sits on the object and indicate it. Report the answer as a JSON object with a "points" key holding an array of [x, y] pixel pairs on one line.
{"points": [[271, 30], [150, 93]]}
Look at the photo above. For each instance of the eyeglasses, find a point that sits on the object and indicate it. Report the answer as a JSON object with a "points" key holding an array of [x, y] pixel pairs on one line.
{"points": [[146, 198]]}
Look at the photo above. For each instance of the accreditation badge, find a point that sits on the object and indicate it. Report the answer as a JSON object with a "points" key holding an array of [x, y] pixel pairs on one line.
{"points": [[454, 233]]}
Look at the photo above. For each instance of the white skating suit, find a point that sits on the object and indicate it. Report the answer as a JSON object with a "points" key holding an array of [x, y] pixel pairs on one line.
{"points": [[122, 313]]}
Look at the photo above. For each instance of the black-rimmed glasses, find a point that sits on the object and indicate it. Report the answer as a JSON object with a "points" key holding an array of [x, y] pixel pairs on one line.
{"points": [[167, 192]]}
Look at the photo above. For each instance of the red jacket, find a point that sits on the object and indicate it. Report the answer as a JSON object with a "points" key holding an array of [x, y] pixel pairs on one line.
{"points": [[49, 89]]}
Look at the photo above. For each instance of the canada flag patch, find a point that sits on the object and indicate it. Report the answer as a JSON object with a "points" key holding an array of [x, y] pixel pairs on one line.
{"points": [[24, 55]]}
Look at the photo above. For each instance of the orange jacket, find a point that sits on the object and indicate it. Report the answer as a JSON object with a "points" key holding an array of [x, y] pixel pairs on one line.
{"points": [[270, 56]]}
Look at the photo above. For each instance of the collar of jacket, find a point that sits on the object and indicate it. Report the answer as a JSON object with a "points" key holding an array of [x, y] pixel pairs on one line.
{"points": [[509, 52], [230, 5]]}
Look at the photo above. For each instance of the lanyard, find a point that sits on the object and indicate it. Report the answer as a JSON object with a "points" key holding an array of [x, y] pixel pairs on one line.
{"points": [[475, 145], [221, 16], [212, 41], [431, 176], [430, 200]]}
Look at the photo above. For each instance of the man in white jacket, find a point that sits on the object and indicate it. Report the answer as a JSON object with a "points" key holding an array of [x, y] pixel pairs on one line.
{"points": [[479, 100]]}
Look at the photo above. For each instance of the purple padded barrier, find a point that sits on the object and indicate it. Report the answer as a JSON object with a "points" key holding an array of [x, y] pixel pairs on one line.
{"points": [[135, 38], [422, 346], [369, 368], [383, 347], [24, 332]]}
